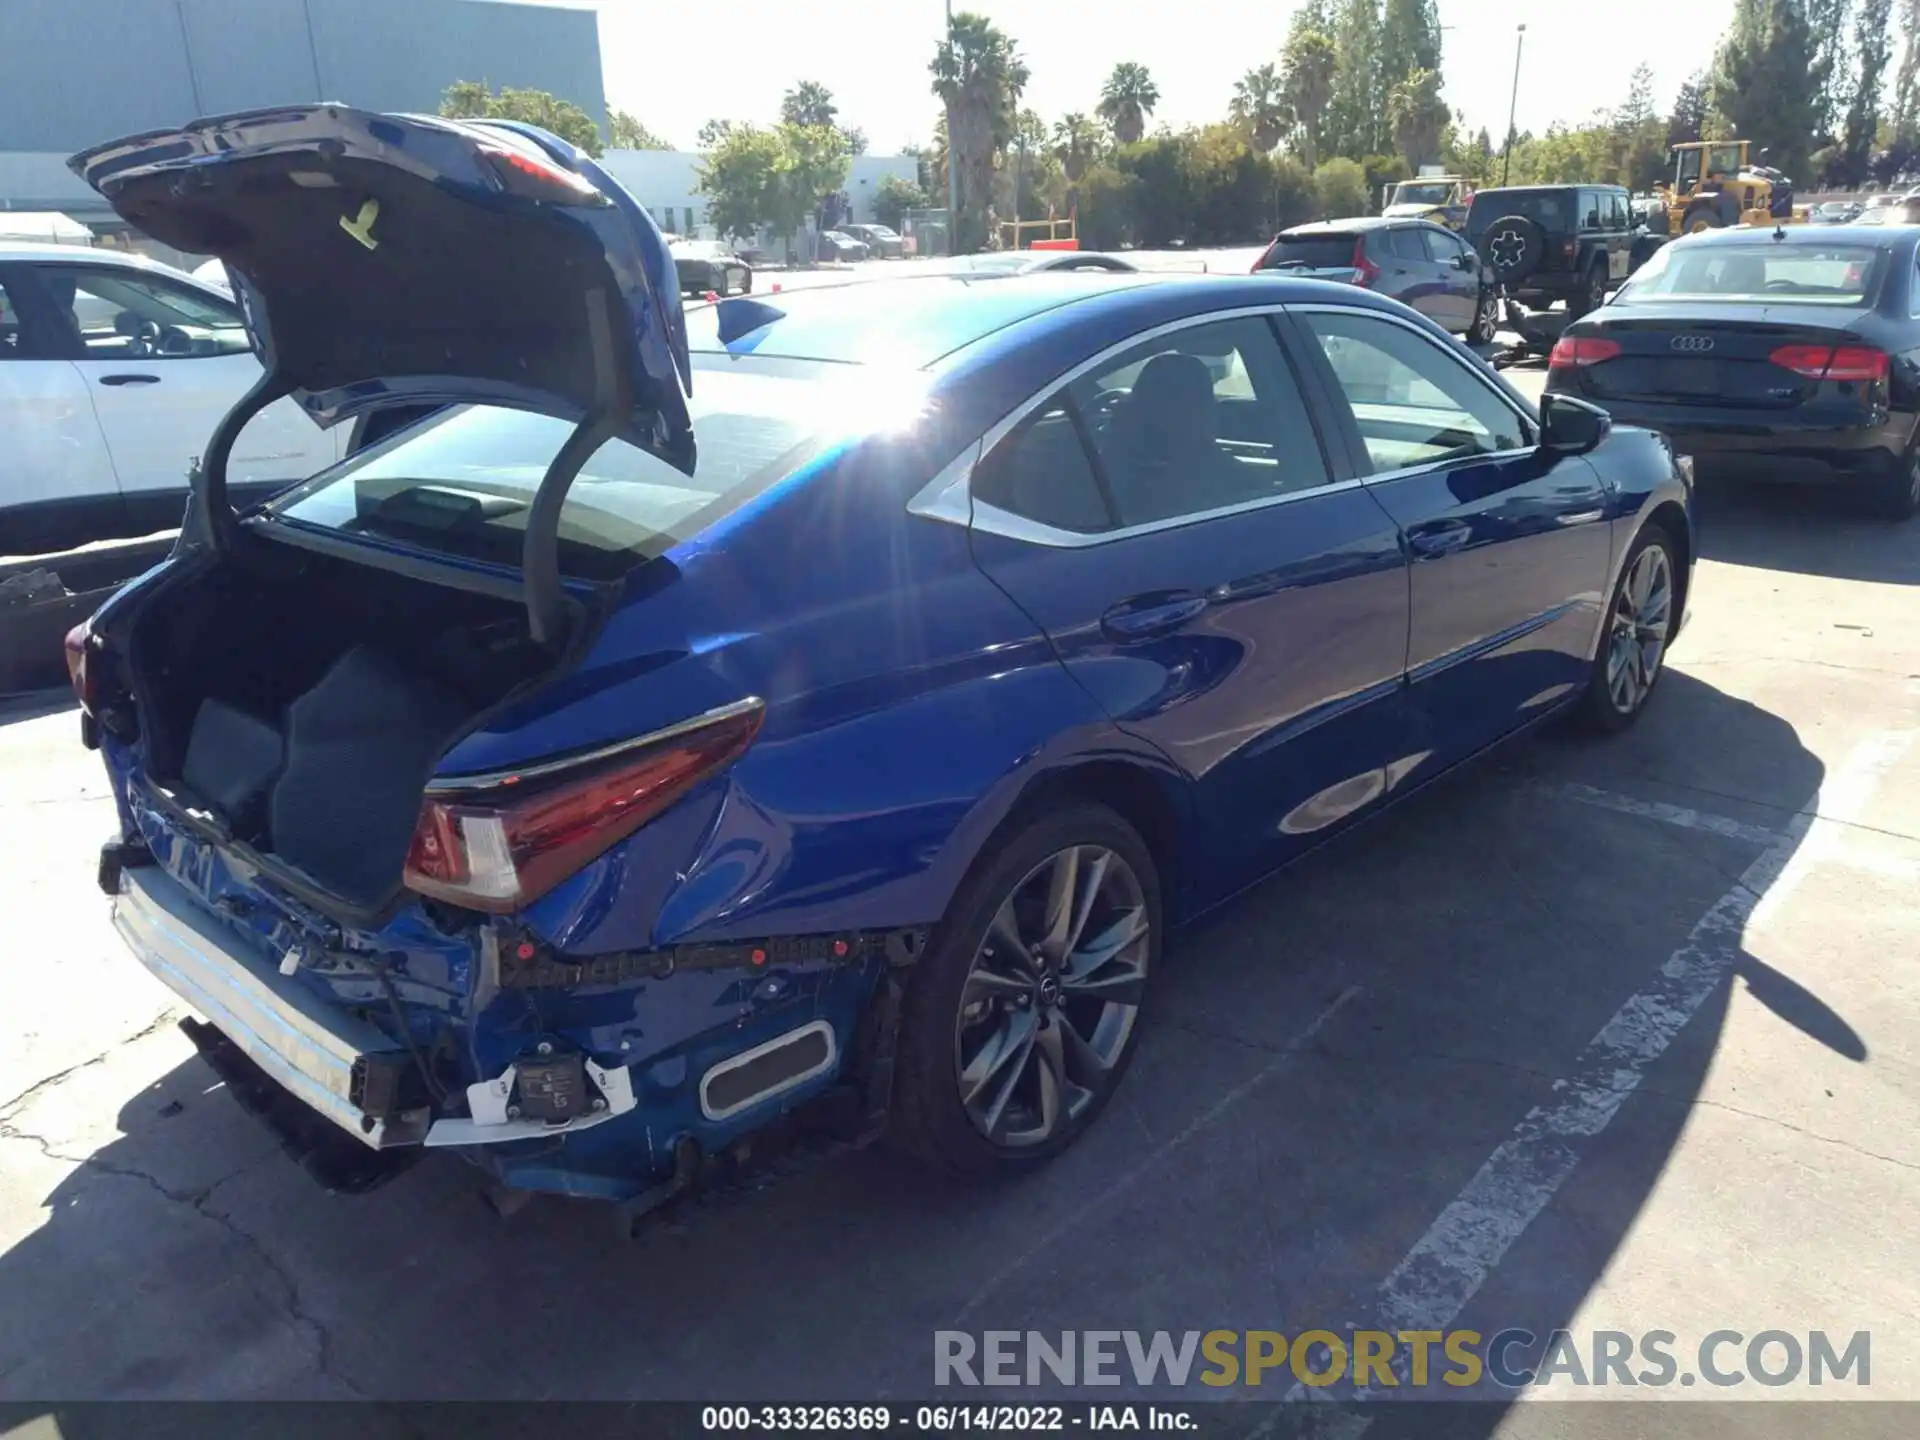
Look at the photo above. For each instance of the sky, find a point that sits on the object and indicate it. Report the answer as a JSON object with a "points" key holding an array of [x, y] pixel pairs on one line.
{"points": [[735, 61]]}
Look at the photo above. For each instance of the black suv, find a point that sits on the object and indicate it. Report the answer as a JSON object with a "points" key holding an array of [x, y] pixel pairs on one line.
{"points": [[1554, 242]]}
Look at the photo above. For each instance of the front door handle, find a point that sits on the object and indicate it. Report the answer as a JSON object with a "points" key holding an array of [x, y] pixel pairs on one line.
{"points": [[1442, 537], [1147, 616], [129, 379]]}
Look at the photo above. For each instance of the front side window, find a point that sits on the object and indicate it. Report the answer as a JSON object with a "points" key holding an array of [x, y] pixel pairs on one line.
{"points": [[1413, 402], [124, 315]]}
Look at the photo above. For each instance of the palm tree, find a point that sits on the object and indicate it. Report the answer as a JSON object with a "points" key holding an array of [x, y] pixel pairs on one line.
{"points": [[1419, 116], [1077, 140], [1126, 100], [978, 73], [1260, 107], [808, 103], [1307, 69]]}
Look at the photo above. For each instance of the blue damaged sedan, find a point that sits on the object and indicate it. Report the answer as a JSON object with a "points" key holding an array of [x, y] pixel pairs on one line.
{"points": [[818, 707]]}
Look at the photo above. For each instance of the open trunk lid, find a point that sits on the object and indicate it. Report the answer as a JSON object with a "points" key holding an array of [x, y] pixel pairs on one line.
{"points": [[405, 259], [386, 258]]}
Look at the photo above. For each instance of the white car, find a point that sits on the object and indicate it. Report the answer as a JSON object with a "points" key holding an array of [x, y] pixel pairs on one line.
{"points": [[114, 371]]}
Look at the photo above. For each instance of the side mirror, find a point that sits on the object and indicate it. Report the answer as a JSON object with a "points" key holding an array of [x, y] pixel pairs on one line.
{"points": [[1569, 426], [1463, 262]]}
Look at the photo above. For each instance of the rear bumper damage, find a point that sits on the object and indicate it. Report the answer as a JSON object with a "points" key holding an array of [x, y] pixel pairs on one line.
{"points": [[354, 1105]]}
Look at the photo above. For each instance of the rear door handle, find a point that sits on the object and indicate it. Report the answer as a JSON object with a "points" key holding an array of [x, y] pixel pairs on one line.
{"points": [[129, 379], [1443, 537], [1148, 616]]}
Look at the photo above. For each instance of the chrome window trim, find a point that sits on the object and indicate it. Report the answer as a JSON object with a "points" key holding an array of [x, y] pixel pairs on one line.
{"points": [[1530, 424], [948, 497]]}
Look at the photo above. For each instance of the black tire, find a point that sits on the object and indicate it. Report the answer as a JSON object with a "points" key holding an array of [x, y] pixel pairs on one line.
{"points": [[1703, 214], [1897, 495], [746, 281], [1593, 291], [928, 1120], [1514, 246], [1601, 708], [1486, 317]]}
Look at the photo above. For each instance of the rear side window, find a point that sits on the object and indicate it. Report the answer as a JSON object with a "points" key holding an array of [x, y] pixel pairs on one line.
{"points": [[1405, 245], [463, 483], [1310, 252], [1041, 473], [1551, 210]]}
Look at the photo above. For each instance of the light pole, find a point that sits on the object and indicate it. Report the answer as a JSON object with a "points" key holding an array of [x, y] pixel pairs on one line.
{"points": [[1506, 159], [953, 174]]}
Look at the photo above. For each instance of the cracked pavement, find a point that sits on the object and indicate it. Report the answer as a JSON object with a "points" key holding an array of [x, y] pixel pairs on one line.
{"points": [[1332, 1061]]}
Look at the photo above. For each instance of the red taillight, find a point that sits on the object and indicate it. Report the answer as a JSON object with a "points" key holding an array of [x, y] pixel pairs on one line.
{"points": [[1365, 272], [1833, 362], [537, 180], [1572, 350], [81, 649], [500, 844]]}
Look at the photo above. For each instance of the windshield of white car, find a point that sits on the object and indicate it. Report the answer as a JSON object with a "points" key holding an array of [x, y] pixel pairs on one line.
{"points": [[462, 483], [1765, 272]]}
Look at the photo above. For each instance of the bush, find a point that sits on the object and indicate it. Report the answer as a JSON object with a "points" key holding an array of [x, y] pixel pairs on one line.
{"points": [[1107, 203], [1163, 205], [1340, 188], [1382, 171], [1294, 199], [894, 197], [1232, 188]]}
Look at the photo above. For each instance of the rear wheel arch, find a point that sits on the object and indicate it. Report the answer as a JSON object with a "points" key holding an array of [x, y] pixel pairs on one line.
{"points": [[1138, 793]]}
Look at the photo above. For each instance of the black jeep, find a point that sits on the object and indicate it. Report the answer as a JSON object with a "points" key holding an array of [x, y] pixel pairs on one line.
{"points": [[1555, 242]]}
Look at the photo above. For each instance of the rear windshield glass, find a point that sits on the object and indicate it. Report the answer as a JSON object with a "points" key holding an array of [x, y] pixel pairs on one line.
{"points": [[1310, 252], [462, 482], [1765, 271], [1549, 209]]}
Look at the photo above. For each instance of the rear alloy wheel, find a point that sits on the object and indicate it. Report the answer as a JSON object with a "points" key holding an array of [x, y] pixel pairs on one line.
{"points": [[1899, 493], [1640, 625], [1486, 317], [1593, 295], [1022, 1015]]}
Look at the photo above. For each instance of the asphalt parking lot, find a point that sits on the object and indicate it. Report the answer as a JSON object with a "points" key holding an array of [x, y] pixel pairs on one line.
{"points": [[1619, 1035]]}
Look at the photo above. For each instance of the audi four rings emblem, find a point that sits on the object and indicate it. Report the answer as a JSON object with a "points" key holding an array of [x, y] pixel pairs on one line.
{"points": [[1692, 344]]}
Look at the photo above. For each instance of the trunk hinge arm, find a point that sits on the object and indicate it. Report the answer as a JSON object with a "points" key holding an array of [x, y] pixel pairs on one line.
{"points": [[611, 414], [209, 519]]}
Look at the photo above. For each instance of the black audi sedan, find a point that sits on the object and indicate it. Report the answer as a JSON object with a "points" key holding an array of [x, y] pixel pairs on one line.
{"points": [[1788, 354]]}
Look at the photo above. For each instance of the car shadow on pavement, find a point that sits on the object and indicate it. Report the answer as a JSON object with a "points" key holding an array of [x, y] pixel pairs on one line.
{"points": [[1331, 1061], [33, 704], [1808, 530]]}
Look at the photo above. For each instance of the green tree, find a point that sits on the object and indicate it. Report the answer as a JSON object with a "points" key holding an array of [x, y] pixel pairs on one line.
{"points": [[1767, 80], [1230, 180], [1126, 100], [1827, 25], [1294, 199], [1409, 41], [472, 100], [628, 133], [1905, 119], [1357, 103], [1078, 141], [808, 103], [1340, 189], [1689, 115], [1163, 187], [1109, 203], [1418, 116], [740, 176], [978, 73], [714, 134], [893, 197], [1259, 106], [814, 164], [1308, 68], [1638, 149], [1873, 44]]}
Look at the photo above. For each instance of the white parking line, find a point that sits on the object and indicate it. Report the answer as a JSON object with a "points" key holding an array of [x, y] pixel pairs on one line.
{"points": [[1680, 815], [1449, 1263]]}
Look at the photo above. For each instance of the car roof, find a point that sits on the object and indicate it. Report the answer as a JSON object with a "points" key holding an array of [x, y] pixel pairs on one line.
{"points": [[1480, 195], [915, 323], [23, 251], [1884, 237], [1347, 227]]}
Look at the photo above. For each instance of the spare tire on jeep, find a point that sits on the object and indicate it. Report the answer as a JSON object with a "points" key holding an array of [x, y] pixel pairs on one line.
{"points": [[1513, 247]]}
